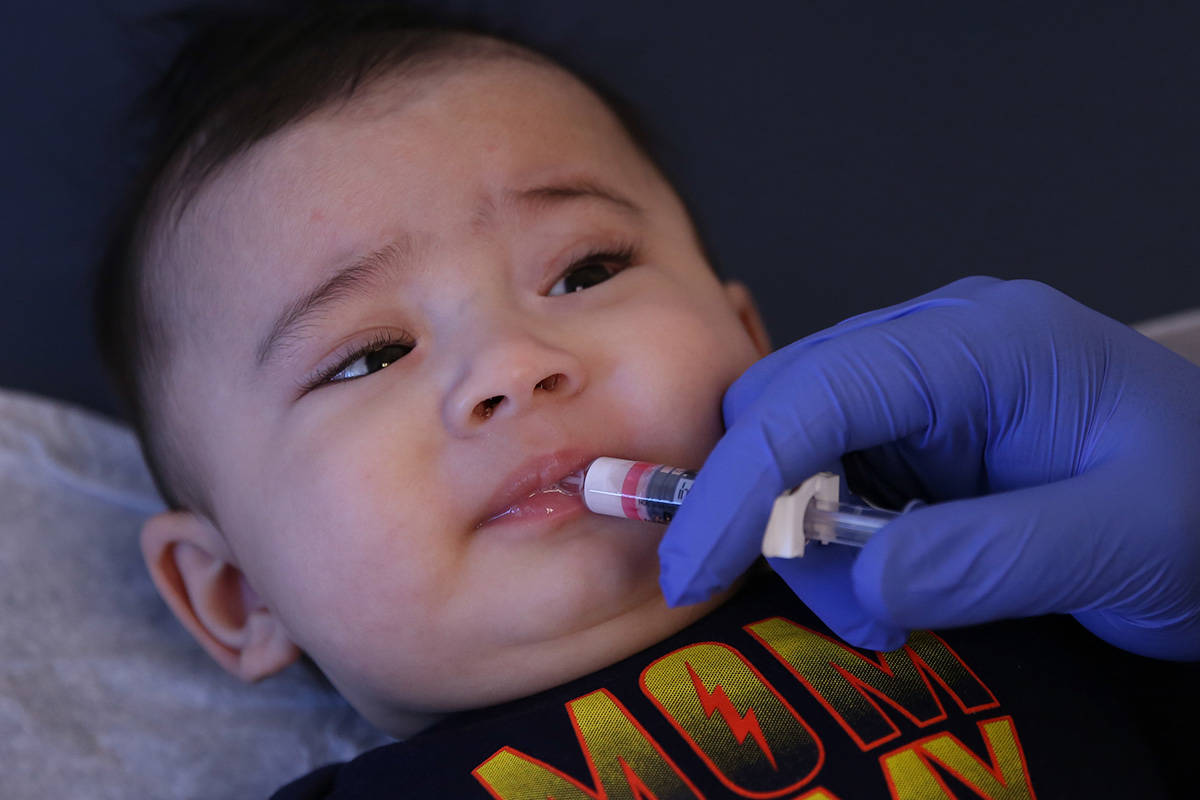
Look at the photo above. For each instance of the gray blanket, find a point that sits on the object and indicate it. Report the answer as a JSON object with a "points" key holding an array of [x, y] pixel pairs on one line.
{"points": [[102, 694]]}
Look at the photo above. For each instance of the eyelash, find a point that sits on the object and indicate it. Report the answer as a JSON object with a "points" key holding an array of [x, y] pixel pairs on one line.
{"points": [[378, 340], [622, 255]]}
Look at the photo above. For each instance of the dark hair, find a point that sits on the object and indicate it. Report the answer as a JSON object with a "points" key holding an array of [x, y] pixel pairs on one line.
{"points": [[239, 78]]}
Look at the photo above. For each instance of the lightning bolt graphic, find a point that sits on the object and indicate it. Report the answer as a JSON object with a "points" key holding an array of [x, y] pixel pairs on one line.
{"points": [[740, 726]]}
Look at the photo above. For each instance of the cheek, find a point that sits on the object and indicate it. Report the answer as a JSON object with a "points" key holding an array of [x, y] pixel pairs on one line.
{"points": [[674, 363], [346, 530]]}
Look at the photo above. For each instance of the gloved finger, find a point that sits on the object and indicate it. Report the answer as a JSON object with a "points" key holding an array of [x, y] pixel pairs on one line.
{"points": [[861, 390], [750, 385], [716, 534], [1038, 550], [1178, 641], [822, 580]]}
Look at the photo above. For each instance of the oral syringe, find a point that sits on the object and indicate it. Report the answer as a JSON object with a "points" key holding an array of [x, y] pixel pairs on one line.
{"points": [[653, 492]]}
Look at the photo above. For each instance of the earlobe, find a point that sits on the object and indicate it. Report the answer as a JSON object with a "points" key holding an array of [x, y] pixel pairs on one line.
{"points": [[194, 571], [743, 304]]}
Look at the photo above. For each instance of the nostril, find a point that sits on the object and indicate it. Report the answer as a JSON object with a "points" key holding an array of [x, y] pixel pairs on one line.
{"points": [[485, 408], [549, 383]]}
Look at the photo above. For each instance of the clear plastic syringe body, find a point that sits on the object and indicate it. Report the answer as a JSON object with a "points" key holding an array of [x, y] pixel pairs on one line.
{"points": [[653, 492], [843, 523]]}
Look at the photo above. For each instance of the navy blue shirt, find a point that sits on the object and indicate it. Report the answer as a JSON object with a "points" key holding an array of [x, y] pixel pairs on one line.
{"points": [[759, 700]]}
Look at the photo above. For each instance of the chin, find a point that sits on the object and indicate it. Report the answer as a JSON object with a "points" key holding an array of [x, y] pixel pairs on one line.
{"points": [[611, 582], [574, 606]]}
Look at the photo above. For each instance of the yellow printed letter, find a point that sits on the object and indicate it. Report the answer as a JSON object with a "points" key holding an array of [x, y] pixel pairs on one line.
{"points": [[910, 774], [735, 721], [626, 764], [848, 683]]}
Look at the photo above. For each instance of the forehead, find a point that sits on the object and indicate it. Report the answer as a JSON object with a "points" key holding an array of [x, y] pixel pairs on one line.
{"points": [[425, 157]]}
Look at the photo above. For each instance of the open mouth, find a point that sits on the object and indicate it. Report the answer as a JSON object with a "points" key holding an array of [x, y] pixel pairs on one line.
{"points": [[534, 491], [541, 504]]}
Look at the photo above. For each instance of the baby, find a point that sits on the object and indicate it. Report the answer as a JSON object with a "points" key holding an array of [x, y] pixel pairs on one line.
{"points": [[418, 300], [382, 288]]}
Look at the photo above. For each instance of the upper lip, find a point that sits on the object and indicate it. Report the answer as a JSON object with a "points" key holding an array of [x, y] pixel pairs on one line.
{"points": [[539, 472]]}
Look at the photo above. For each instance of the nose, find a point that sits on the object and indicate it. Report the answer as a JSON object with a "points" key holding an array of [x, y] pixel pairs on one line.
{"points": [[513, 374]]}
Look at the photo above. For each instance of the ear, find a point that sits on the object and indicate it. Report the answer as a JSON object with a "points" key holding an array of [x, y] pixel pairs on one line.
{"points": [[194, 571], [743, 304]]}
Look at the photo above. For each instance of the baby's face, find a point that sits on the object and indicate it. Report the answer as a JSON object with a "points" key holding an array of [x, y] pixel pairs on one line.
{"points": [[403, 317]]}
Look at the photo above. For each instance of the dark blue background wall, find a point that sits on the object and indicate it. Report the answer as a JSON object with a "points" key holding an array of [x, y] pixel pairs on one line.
{"points": [[839, 155]]}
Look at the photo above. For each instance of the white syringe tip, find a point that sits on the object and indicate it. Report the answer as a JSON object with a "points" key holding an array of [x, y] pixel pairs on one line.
{"points": [[603, 489]]}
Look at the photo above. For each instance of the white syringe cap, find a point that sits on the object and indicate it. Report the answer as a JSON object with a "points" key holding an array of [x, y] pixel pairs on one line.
{"points": [[603, 485]]}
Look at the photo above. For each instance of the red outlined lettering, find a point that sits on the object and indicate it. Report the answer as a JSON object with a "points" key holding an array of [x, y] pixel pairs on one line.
{"points": [[939, 660], [819, 793], [842, 679], [910, 772], [509, 771], [785, 754], [623, 759]]}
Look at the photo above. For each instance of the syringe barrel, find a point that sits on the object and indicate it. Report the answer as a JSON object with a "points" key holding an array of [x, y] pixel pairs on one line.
{"points": [[643, 490], [636, 489], [843, 523]]}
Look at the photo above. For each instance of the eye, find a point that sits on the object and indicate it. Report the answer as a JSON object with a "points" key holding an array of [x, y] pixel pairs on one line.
{"points": [[370, 360], [592, 269], [361, 359]]}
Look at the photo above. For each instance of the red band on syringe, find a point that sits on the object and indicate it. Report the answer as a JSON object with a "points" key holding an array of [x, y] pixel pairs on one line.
{"points": [[629, 489]]}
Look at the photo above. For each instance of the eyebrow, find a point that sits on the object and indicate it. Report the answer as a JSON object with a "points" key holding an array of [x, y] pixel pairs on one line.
{"points": [[356, 280], [375, 269], [582, 189]]}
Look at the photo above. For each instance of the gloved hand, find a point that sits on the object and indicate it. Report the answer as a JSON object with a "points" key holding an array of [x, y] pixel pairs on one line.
{"points": [[1061, 450]]}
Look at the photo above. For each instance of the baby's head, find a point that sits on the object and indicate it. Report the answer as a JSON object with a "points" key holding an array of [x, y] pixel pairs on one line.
{"points": [[361, 321]]}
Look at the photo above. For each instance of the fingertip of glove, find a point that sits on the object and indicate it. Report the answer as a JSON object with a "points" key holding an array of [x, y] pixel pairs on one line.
{"points": [[679, 589], [892, 639], [875, 636], [681, 596], [870, 581]]}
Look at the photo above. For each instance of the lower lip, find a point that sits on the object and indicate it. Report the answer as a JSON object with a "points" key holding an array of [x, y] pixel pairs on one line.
{"points": [[547, 506]]}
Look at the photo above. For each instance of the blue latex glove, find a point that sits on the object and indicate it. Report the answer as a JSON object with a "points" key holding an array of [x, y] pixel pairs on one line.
{"points": [[1061, 447]]}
